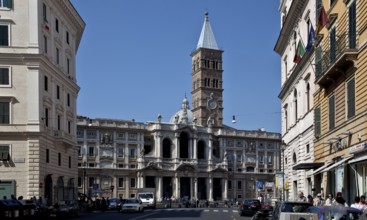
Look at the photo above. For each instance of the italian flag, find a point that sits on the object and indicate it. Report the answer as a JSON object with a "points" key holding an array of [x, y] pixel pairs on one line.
{"points": [[45, 24], [299, 53]]}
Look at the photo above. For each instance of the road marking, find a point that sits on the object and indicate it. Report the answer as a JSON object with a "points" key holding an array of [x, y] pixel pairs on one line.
{"points": [[216, 210], [206, 210], [225, 210], [234, 210]]}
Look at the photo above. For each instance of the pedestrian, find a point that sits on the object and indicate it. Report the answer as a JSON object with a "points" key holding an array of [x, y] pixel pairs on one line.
{"points": [[363, 200], [318, 201], [301, 197], [310, 199], [339, 200], [357, 204], [330, 200]]}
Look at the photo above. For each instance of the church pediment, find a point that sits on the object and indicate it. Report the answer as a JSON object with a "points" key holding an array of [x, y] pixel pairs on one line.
{"points": [[151, 166]]}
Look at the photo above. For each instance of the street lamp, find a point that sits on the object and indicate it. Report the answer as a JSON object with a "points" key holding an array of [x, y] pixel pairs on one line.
{"points": [[283, 147], [84, 175]]}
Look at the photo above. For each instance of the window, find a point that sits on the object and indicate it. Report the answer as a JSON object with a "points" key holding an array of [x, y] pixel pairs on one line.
{"points": [[4, 76], [261, 158], [331, 112], [352, 25], [308, 94], [4, 112], [132, 182], [68, 65], [239, 184], [45, 83], [132, 153], [91, 181], [45, 43], [239, 158], [67, 37], [132, 166], [317, 118], [44, 12], [4, 152], [229, 184], [68, 99], [79, 182], [351, 109], [79, 134], [295, 105], [58, 92], [120, 165], [307, 148], [57, 25], [90, 151], [270, 159], [79, 151], [6, 3], [69, 127], [332, 39], [69, 162], [121, 182], [46, 117], [4, 35], [58, 122], [59, 159], [47, 155], [318, 60], [120, 152], [57, 55]]}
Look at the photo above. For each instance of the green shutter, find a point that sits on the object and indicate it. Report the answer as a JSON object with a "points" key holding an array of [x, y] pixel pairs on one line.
{"points": [[331, 112], [317, 117], [351, 98], [318, 58], [352, 25], [332, 45]]}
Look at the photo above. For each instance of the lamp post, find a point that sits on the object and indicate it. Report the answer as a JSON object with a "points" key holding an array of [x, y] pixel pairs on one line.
{"points": [[283, 147], [84, 175]]}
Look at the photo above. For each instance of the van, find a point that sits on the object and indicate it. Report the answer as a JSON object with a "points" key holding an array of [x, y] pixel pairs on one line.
{"points": [[148, 199]]}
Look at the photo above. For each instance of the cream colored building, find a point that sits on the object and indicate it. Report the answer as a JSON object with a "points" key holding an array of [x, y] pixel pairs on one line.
{"points": [[38, 92], [193, 154], [297, 78]]}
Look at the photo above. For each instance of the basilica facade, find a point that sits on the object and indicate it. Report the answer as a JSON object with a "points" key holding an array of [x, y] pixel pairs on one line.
{"points": [[193, 154]]}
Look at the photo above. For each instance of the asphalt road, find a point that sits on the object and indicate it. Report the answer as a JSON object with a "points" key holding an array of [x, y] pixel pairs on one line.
{"points": [[167, 214]]}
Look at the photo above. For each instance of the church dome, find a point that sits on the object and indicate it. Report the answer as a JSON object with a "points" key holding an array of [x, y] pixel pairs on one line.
{"points": [[184, 116]]}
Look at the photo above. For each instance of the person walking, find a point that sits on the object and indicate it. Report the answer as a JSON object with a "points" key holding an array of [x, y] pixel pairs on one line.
{"points": [[330, 200], [301, 197], [357, 204], [318, 201]]}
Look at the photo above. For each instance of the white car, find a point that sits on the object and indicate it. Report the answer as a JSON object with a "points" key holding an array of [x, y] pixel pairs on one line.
{"points": [[132, 205]]}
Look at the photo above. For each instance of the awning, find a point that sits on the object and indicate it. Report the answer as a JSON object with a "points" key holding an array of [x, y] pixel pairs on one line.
{"points": [[358, 159], [321, 169], [307, 165], [337, 163]]}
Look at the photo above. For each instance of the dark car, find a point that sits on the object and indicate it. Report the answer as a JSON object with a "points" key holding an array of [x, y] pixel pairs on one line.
{"points": [[249, 207]]}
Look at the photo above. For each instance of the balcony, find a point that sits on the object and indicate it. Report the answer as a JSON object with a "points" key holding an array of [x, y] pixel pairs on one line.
{"points": [[337, 59]]}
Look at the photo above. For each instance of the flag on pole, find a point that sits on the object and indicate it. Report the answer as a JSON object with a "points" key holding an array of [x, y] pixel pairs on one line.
{"points": [[311, 39], [299, 53], [45, 24], [323, 19]]}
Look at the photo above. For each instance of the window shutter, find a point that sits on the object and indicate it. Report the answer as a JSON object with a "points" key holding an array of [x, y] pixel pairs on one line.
{"points": [[331, 112], [318, 57], [351, 98], [318, 7], [317, 122], [332, 45], [352, 25]]}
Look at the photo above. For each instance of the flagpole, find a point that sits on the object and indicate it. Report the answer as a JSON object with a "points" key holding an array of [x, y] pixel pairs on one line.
{"points": [[309, 60]]}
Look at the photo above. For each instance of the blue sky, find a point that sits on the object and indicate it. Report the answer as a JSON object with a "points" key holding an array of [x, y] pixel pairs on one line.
{"points": [[134, 58]]}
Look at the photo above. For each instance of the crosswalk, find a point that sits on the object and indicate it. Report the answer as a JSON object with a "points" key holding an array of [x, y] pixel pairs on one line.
{"points": [[203, 210]]}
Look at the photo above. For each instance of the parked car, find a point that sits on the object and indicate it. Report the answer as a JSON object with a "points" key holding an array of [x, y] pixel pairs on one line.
{"points": [[113, 203], [249, 207], [66, 208], [132, 205], [293, 210]]}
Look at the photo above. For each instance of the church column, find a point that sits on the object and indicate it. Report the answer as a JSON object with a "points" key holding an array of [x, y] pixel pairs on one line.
{"points": [[210, 194], [225, 191], [127, 187], [177, 184], [194, 140], [177, 143], [196, 188], [192, 188], [160, 187], [210, 149], [190, 156]]}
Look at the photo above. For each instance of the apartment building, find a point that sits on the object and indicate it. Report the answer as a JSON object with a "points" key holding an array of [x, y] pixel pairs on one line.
{"points": [[295, 46], [193, 154], [38, 91], [340, 97]]}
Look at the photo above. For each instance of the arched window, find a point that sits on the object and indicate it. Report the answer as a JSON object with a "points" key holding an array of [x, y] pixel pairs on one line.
{"points": [[294, 158]]}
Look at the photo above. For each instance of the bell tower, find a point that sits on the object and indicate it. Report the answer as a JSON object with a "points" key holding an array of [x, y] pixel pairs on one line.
{"points": [[207, 90]]}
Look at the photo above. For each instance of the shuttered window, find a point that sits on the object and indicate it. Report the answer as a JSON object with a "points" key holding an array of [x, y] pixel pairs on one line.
{"points": [[331, 112], [351, 98], [332, 45], [352, 25], [317, 117], [318, 58]]}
